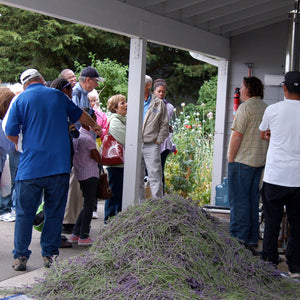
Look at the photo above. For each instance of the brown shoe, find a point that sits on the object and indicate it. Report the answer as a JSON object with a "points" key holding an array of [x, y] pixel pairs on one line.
{"points": [[48, 260], [19, 263], [65, 243]]}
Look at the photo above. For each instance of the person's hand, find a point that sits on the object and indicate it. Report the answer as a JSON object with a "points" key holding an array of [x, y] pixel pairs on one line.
{"points": [[267, 135], [97, 129]]}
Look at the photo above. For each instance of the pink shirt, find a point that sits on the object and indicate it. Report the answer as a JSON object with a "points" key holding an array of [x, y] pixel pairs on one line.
{"points": [[102, 121], [84, 166]]}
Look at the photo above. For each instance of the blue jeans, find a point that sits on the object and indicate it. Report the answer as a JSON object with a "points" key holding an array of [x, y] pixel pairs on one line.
{"points": [[114, 204], [89, 189], [28, 197], [6, 203], [243, 192], [13, 166]]}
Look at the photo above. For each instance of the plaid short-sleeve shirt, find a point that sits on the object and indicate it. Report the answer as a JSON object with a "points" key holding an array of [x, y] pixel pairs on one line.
{"points": [[253, 149]]}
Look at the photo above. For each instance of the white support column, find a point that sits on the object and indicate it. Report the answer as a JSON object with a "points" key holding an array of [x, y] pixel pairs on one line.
{"points": [[219, 128], [136, 90]]}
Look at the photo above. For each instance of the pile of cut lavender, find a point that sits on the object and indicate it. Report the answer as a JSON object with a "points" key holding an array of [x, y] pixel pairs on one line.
{"points": [[165, 249]]}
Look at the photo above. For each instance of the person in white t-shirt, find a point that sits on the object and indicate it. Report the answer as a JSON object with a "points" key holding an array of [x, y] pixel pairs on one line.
{"points": [[281, 126]]}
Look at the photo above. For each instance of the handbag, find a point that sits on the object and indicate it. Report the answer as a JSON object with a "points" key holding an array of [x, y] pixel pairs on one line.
{"points": [[104, 190], [112, 152]]}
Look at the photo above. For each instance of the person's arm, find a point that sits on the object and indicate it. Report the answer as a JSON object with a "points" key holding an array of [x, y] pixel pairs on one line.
{"points": [[88, 121], [96, 156], [265, 135], [164, 126], [14, 139], [235, 143], [117, 129]]}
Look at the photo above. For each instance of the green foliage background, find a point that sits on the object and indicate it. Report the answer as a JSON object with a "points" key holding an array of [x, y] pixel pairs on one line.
{"points": [[31, 40]]}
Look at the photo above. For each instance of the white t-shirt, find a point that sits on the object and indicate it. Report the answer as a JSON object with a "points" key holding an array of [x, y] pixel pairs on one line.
{"points": [[283, 157]]}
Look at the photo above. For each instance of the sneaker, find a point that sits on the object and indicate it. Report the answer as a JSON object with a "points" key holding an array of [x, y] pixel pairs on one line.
{"points": [[74, 238], [19, 263], [85, 242], [294, 275], [48, 260], [95, 215], [8, 217]]}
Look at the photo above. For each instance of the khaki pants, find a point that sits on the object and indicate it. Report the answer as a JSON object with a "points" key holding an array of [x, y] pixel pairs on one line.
{"points": [[74, 202], [151, 160]]}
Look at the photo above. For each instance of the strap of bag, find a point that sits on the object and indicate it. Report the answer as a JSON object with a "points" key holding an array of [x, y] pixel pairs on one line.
{"points": [[101, 170], [106, 131]]}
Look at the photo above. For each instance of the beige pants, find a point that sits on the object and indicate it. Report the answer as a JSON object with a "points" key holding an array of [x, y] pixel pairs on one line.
{"points": [[74, 202]]}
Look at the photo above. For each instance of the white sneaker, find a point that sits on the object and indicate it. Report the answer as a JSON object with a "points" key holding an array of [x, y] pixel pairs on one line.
{"points": [[8, 217], [95, 215]]}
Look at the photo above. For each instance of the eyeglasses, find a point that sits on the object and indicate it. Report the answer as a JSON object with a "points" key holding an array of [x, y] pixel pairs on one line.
{"points": [[95, 80]]}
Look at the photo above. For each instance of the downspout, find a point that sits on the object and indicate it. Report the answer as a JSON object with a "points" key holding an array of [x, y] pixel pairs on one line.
{"points": [[292, 52]]}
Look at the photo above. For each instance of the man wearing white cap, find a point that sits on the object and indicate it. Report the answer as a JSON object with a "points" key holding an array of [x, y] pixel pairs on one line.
{"points": [[45, 162]]}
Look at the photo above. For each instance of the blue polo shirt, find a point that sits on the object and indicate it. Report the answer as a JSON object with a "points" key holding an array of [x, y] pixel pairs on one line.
{"points": [[42, 113], [146, 105]]}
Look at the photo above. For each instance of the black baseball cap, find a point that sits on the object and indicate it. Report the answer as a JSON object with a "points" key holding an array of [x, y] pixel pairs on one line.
{"points": [[292, 78], [92, 73]]}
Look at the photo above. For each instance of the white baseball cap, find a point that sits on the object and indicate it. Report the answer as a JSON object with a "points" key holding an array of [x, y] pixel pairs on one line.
{"points": [[28, 74]]}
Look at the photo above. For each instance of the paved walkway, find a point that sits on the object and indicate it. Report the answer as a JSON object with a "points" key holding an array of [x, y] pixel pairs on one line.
{"points": [[11, 278]]}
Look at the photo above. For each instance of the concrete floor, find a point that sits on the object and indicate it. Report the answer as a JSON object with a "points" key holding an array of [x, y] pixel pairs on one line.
{"points": [[9, 277]]}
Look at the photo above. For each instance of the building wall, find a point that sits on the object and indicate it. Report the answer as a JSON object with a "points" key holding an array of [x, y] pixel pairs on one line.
{"points": [[266, 49]]}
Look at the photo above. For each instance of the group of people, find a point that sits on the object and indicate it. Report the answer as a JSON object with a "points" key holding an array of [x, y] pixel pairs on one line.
{"points": [[58, 159], [265, 139], [56, 128]]}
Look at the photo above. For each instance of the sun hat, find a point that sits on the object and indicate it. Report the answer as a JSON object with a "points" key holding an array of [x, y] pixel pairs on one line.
{"points": [[92, 73], [28, 74]]}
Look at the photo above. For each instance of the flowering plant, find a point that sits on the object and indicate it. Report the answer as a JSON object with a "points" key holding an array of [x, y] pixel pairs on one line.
{"points": [[189, 172]]}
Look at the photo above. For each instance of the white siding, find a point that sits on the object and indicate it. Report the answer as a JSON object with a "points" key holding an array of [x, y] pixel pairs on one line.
{"points": [[265, 48]]}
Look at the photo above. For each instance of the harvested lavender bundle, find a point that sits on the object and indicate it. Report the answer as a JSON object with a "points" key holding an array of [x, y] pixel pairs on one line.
{"points": [[164, 249]]}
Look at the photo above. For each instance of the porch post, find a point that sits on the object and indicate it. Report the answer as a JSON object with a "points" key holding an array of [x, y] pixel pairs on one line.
{"points": [[219, 158], [136, 90]]}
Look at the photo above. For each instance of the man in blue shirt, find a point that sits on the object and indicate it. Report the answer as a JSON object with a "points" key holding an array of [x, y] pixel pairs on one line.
{"points": [[42, 114], [88, 80]]}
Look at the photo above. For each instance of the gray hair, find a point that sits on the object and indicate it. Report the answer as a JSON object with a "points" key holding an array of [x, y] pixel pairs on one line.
{"points": [[34, 79], [148, 80], [82, 79]]}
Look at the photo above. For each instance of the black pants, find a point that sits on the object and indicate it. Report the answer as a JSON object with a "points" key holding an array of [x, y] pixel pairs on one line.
{"points": [[163, 157], [274, 199], [89, 190]]}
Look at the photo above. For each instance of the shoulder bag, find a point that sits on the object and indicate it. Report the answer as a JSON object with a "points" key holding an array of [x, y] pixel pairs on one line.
{"points": [[112, 152]]}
